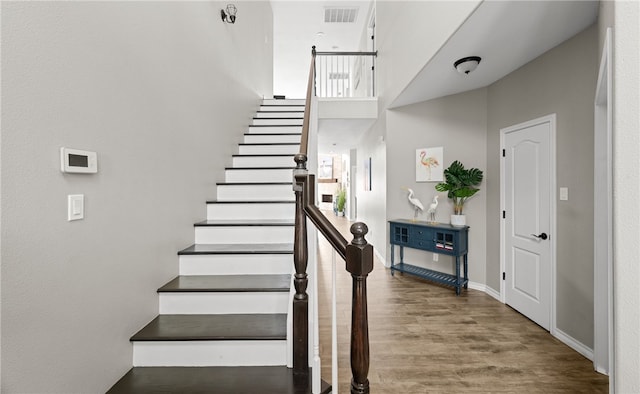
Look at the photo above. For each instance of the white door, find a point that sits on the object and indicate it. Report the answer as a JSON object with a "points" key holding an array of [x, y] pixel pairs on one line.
{"points": [[528, 182]]}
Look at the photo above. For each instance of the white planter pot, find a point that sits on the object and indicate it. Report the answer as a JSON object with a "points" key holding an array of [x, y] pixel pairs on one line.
{"points": [[340, 213], [458, 220]]}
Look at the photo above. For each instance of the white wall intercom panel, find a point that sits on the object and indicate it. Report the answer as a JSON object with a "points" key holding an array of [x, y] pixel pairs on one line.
{"points": [[78, 161]]}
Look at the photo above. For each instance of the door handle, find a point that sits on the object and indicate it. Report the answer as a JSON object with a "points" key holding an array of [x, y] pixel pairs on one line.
{"points": [[542, 236]]}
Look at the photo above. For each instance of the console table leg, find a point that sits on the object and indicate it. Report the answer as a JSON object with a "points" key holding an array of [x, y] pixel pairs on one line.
{"points": [[392, 255], [466, 276], [457, 275]]}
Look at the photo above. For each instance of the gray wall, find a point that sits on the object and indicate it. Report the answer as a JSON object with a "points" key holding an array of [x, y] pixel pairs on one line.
{"points": [[561, 81], [457, 123], [408, 34], [161, 91]]}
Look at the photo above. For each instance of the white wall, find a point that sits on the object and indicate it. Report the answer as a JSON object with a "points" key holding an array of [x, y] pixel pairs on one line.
{"points": [[626, 189], [458, 124], [372, 203], [161, 91]]}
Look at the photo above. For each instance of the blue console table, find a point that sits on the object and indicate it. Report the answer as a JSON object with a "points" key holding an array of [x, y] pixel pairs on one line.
{"points": [[438, 238]]}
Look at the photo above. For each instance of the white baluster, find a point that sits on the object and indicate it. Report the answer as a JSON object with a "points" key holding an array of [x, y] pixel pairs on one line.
{"points": [[334, 327], [316, 364]]}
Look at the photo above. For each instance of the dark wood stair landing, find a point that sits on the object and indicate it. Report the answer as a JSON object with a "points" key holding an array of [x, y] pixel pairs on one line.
{"points": [[213, 380]]}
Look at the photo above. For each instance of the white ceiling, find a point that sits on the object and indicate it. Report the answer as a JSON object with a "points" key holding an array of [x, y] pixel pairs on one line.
{"points": [[506, 35], [296, 25]]}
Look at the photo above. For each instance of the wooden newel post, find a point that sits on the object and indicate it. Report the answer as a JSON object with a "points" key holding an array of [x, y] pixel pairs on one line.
{"points": [[300, 258], [359, 264]]}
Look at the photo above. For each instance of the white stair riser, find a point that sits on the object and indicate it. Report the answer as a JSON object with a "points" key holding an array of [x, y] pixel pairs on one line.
{"points": [[235, 264], [243, 234], [274, 129], [251, 175], [223, 303], [271, 138], [251, 211], [280, 114], [269, 149], [263, 161], [255, 193], [283, 102], [278, 108], [208, 353], [276, 122]]}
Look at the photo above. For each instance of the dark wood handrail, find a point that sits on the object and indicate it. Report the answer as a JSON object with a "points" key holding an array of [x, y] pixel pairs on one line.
{"points": [[358, 255], [307, 183], [304, 139]]}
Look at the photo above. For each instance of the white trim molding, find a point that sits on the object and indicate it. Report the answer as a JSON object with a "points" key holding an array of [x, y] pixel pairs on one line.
{"points": [[380, 257], [573, 343]]}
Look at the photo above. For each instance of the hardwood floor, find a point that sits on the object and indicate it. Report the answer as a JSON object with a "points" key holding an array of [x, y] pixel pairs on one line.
{"points": [[424, 339]]}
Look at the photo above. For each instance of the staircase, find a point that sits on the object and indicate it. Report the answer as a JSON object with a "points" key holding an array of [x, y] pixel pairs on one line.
{"points": [[222, 326]]}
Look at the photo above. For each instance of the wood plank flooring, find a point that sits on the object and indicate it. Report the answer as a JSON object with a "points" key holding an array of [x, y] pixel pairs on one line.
{"points": [[424, 339]]}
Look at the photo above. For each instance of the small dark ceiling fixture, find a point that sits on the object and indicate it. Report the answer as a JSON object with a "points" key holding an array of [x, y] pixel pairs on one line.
{"points": [[229, 15], [467, 64]]}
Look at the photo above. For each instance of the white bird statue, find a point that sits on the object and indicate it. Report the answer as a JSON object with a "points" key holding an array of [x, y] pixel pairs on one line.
{"points": [[417, 205], [432, 209]]}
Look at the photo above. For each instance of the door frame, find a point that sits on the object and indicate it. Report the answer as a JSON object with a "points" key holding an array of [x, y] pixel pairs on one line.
{"points": [[551, 119], [603, 357]]}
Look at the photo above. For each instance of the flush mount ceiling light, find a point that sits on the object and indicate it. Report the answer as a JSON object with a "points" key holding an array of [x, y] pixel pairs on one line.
{"points": [[467, 64], [229, 15]]}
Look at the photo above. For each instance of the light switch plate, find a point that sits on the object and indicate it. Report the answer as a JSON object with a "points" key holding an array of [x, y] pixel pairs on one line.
{"points": [[75, 207], [564, 194]]}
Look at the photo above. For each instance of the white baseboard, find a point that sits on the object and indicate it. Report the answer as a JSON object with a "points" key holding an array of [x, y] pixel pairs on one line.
{"points": [[484, 288], [380, 257], [477, 286], [493, 293], [573, 343]]}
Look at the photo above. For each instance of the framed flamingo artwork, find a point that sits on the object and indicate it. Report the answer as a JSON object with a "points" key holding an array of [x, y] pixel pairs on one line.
{"points": [[429, 164]]}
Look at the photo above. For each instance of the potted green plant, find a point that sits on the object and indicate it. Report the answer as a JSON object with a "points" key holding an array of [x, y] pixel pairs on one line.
{"points": [[341, 200], [460, 185]]}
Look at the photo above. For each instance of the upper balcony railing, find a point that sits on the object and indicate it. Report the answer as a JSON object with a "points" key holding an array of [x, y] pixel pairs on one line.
{"points": [[344, 74]]}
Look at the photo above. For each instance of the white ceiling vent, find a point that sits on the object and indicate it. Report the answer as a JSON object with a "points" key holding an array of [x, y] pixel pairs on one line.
{"points": [[340, 15]]}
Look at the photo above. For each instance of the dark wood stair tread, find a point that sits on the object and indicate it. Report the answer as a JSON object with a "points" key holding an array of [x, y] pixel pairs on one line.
{"points": [[214, 327], [213, 380], [253, 183], [204, 249], [268, 143], [227, 283], [252, 202], [301, 109], [245, 222], [282, 118], [263, 134], [275, 125], [266, 155], [258, 168]]}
